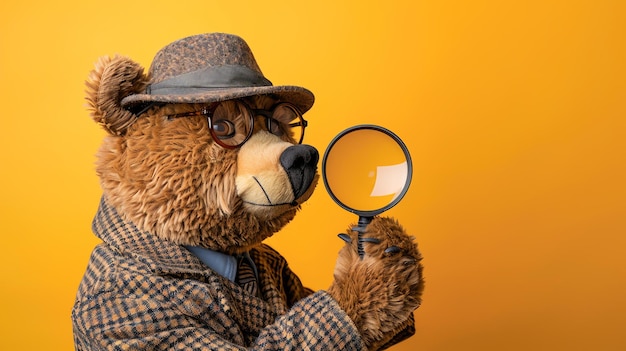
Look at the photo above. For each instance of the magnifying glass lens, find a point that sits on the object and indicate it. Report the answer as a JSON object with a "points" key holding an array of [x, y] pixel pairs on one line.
{"points": [[366, 170]]}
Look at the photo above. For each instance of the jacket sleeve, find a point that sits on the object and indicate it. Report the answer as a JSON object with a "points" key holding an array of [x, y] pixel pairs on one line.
{"points": [[296, 291], [134, 323], [313, 323]]}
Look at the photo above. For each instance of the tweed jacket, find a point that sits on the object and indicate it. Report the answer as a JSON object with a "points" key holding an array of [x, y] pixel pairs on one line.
{"points": [[143, 293]]}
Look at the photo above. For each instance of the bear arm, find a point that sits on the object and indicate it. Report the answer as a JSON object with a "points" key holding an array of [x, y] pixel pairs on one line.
{"points": [[314, 323]]}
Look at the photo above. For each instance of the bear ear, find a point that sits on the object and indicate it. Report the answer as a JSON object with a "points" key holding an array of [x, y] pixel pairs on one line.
{"points": [[109, 82]]}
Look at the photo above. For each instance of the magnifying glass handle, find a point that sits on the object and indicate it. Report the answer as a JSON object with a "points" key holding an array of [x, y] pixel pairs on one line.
{"points": [[360, 229]]}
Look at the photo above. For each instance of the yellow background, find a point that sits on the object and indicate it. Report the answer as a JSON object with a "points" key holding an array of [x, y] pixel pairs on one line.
{"points": [[514, 112]]}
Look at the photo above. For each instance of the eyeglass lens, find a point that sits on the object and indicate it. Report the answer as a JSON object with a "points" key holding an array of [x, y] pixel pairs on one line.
{"points": [[291, 122], [232, 123]]}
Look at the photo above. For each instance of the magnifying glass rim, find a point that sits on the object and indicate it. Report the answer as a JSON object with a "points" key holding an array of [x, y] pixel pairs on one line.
{"points": [[405, 150]]}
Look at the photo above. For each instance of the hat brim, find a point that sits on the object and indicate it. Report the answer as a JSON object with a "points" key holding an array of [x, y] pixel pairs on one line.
{"points": [[300, 97]]}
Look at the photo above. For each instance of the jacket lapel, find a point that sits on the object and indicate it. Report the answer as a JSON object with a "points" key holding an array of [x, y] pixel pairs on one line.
{"points": [[165, 258]]}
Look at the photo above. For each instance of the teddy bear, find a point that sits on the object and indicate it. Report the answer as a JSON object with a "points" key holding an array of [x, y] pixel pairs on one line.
{"points": [[204, 159]]}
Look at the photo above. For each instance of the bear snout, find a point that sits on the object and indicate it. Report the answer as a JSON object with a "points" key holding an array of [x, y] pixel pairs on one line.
{"points": [[300, 163], [275, 176]]}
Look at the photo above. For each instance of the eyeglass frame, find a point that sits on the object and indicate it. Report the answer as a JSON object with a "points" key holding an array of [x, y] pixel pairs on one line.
{"points": [[267, 114]]}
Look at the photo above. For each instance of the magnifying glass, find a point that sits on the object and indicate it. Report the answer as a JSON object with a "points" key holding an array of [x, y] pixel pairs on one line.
{"points": [[367, 170]]}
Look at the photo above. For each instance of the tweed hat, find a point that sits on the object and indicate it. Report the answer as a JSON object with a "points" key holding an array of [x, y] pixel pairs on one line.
{"points": [[209, 68]]}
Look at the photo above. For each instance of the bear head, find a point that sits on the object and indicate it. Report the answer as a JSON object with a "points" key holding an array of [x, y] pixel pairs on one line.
{"points": [[202, 150]]}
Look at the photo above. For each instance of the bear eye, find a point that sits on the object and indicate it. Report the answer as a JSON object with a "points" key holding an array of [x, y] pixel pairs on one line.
{"points": [[274, 127], [223, 129]]}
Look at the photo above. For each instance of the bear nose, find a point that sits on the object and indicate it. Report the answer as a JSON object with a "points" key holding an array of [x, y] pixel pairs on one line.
{"points": [[300, 163]]}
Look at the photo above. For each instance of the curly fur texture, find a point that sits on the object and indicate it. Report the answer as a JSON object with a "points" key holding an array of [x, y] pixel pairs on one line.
{"points": [[380, 291], [109, 82], [170, 178]]}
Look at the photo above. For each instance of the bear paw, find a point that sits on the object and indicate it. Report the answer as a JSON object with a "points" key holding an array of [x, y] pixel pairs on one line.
{"points": [[378, 279]]}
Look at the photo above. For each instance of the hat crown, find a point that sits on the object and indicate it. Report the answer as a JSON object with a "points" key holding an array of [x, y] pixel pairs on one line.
{"points": [[207, 68], [201, 52]]}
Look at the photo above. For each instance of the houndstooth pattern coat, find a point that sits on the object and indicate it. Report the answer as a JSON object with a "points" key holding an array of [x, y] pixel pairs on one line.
{"points": [[143, 293]]}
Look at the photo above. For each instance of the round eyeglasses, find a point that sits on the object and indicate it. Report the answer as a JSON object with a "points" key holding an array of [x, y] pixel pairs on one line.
{"points": [[231, 122]]}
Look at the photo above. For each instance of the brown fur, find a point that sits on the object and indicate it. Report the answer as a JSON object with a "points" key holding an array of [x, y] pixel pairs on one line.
{"points": [[110, 81], [169, 177], [381, 290]]}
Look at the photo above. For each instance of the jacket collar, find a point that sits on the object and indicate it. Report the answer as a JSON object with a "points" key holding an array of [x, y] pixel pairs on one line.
{"points": [[163, 257], [167, 258]]}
